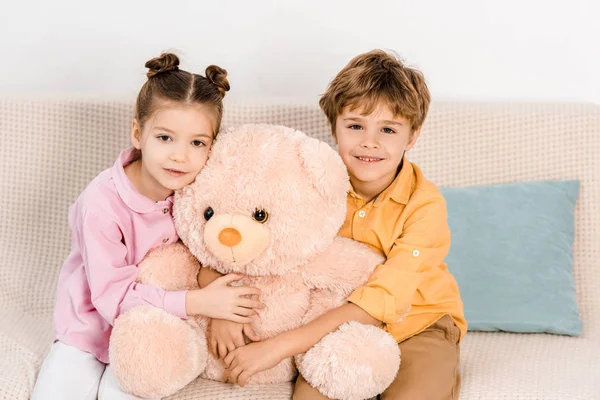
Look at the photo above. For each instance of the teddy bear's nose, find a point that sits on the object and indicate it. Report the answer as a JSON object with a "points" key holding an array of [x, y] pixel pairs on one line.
{"points": [[230, 237]]}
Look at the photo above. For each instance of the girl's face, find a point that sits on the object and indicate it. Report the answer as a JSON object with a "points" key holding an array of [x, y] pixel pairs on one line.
{"points": [[174, 142]]}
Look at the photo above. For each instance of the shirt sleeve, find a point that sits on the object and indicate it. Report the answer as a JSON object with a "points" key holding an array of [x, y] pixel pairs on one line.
{"points": [[423, 245], [112, 281]]}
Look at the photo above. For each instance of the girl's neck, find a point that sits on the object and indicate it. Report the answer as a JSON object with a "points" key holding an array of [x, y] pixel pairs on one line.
{"points": [[145, 184]]}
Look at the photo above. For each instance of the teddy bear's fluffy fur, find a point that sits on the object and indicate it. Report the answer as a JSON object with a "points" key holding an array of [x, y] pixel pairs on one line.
{"points": [[293, 255]]}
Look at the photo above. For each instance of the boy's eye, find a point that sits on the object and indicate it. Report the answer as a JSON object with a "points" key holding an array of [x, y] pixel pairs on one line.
{"points": [[164, 138], [388, 130], [198, 143], [355, 126]]}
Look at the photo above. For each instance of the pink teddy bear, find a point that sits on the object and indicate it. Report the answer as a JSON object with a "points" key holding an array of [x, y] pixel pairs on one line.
{"points": [[268, 205]]}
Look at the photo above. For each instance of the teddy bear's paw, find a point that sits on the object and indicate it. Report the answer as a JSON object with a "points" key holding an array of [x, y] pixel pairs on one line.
{"points": [[355, 362], [154, 353]]}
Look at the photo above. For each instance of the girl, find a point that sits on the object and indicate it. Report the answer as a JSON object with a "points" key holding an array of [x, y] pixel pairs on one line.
{"points": [[122, 214]]}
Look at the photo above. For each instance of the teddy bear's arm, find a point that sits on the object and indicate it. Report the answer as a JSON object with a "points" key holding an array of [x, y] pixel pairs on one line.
{"points": [[170, 267], [344, 266]]}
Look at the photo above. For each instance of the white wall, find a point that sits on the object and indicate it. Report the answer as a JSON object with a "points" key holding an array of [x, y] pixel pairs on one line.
{"points": [[510, 49]]}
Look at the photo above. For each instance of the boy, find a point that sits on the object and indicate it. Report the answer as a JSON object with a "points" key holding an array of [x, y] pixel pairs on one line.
{"points": [[376, 107]]}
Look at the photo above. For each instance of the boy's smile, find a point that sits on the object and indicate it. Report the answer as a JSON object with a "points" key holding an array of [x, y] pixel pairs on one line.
{"points": [[372, 146]]}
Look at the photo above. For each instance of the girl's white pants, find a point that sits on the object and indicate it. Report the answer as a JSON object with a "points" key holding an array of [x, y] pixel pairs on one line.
{"points": [[71, 374]]}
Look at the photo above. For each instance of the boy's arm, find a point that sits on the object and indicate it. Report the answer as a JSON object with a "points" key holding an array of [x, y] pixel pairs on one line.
{"points": [[301, 339], [389, 292], [422, 246], [206, 276]]}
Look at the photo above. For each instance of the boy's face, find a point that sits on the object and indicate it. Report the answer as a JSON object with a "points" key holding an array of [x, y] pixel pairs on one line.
{"points": [[372, 146]]}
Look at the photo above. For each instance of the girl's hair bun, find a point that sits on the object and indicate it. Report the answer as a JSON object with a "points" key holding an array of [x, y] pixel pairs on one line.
{"points": [[218, 77], [165, 63]]}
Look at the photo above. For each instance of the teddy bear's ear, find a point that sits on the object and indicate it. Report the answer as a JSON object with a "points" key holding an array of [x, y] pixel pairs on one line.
{"points": [[323, 167]]}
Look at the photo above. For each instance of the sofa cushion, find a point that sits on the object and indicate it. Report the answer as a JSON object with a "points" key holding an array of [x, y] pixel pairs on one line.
{"points": [[503, 366]]}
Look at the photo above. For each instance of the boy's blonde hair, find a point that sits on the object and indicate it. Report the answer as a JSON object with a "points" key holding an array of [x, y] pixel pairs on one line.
{"points": [[374, 76]]}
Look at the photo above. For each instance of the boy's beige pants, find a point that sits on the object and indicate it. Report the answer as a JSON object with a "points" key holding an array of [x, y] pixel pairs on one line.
{"points": [[428, 371]]}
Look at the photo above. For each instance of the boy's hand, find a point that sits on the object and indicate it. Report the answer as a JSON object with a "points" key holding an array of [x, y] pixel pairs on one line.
{"points": [[221, 301], [243, 362], [225, 336]]}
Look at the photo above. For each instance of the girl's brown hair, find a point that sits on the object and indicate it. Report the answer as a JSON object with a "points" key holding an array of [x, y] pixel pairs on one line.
{"points": [[166, 82]]}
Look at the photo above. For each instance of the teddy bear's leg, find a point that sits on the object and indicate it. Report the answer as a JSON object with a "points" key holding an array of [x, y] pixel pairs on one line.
{"points": [[154, 354], [321, 301], [170, 267], [356, 361]]}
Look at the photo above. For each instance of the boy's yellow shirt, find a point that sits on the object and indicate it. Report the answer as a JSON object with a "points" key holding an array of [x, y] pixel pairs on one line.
{"points": [[407, 224]]}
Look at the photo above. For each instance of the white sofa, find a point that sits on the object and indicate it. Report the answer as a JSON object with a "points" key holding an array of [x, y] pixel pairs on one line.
{"points": [[50, 149]]}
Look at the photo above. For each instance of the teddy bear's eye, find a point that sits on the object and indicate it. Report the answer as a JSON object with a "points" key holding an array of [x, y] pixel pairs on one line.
{"points": [[260, 216], [208, 213]]}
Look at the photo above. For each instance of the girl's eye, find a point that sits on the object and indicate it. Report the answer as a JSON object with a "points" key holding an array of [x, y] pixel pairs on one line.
{"points": [[355, 127], [164, 138], [198, 143], [388, 130]]}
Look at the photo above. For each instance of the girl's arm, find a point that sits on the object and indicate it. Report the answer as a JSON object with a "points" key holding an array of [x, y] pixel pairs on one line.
{"points": [[114, 288], [221, 301], [112, 280]]}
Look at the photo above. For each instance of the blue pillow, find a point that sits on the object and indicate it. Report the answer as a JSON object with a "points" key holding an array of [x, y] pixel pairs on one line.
{"points": [[511, 255]]}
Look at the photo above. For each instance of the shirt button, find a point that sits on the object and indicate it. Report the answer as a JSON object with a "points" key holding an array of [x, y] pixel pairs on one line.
{"points": [[416, 253], [165, 210], [362, 214], [165, 240]]}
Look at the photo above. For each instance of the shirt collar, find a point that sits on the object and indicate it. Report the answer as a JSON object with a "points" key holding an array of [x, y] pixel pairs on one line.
{"points": [[400, 188], [128, 193]]}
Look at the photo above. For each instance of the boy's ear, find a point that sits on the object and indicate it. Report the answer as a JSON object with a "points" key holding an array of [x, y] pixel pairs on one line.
{"points": [[136, 133], [413, 139]]}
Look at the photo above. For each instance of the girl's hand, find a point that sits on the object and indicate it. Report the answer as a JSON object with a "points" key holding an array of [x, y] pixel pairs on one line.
{"points": [[243, 362], [221, 301], [225, 336]]}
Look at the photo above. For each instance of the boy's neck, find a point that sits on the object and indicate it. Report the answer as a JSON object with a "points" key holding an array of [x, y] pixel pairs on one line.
{"points": [[369, 191]]}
